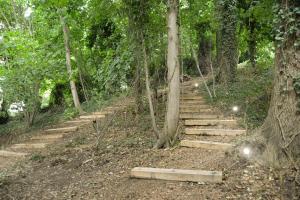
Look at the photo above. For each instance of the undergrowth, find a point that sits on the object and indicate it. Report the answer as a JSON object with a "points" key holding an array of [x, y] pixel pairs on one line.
{"points": [[251, 93]]}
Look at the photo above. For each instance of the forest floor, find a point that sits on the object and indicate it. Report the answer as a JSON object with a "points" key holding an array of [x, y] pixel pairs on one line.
{"points": [[85, 165]]}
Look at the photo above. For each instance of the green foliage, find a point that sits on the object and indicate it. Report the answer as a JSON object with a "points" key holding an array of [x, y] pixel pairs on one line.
{"points": [[287, 25], [251, 93], [3, 117], [70, 113]]}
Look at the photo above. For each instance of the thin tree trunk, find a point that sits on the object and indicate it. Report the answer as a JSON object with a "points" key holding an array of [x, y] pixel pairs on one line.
{"points": [[69, 67], [79, 63], [201, 74], [172, 111], [148, 90], [252, 41], [218, 50], [138, 88]]}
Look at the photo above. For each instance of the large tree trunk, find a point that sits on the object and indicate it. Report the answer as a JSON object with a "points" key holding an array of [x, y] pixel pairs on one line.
{"points": [[172, 111], [68, 64], [204, 53], [229, 45], [281, 128]]}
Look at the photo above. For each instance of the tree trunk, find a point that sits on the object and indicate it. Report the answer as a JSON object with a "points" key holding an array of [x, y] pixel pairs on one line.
{"points": [[204, 53], [172, 110], [33, 107], [281, 128], [252, 41], [138, 88], [217, 60], [229, 46], [218, 50], [154, 126], [69, 68], [80, 64]]}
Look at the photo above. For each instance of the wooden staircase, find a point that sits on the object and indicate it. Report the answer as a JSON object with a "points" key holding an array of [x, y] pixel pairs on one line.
{"points": [[49, 136], [200, 120]]}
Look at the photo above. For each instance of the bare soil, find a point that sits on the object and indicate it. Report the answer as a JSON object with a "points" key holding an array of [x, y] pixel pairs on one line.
{"points": [[75, 168]]}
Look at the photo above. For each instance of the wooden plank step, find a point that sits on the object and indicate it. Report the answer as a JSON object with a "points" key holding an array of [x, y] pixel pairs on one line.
{"points": [[92, 117], [48, 137], [198, 116], [29, 146], [62, 130], [205, 145], [211, 122], [103, 113], [191, 97], [196, 110], [214, 132], [177, 174], [77, 121], [4, 153], [193, 102], [194, 106]]}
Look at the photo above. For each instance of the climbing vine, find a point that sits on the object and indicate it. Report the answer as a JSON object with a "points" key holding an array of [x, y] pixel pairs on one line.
{"points": [[286, 20]]}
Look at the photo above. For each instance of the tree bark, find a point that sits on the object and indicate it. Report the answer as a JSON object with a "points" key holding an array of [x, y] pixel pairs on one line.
{"points": [[252, 41], [281, 128], [229, 45], [204, 53], [154, 126], [218, 50], [138, 88], [172, 108], [69, 67], [80, 64], [217, 60]]}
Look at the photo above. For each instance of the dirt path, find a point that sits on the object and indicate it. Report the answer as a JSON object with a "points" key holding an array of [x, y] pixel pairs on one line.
{"points": [[77, 168]]}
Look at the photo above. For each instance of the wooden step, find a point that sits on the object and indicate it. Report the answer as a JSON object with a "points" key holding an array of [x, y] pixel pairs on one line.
{"points": [[214, 132], [195, 110], [62, 130], [187, 106], [78, 121], [191, 97], [4, 153], [193, 102], [231, 122], [29, 146], [92, 117], [206, 145], [48, 137], [199, 116], [103, 113], [177, 174]]}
